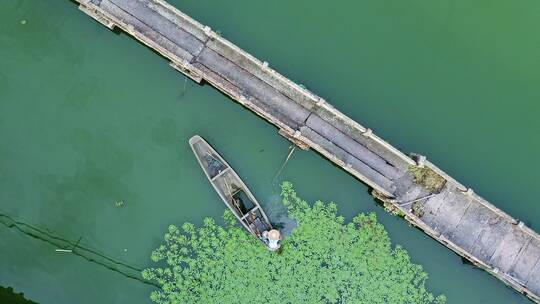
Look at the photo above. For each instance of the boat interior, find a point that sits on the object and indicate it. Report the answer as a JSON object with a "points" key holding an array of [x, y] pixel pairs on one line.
{"points": [[232, 190]]}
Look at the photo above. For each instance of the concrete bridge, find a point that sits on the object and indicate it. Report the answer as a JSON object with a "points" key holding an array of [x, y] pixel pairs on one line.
{"points": [[409, 186]]}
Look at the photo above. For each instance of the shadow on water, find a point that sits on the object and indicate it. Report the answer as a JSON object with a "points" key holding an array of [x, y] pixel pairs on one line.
{"points": [[279, 216], [67, 246], [8, 296]]}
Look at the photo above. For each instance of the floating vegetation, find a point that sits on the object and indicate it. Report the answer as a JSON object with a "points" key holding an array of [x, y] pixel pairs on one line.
{"points": [[8, 295], [324, 260], [427, 178]]}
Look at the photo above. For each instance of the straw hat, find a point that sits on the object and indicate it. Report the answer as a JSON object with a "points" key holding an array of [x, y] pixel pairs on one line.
{"points": [[274, 234]]}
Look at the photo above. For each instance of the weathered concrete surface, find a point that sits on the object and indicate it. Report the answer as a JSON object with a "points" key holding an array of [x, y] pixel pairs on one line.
{"points": [[453, 215]]}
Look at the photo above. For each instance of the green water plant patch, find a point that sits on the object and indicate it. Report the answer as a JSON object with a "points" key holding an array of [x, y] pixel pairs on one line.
{"points": [[324, 260]]}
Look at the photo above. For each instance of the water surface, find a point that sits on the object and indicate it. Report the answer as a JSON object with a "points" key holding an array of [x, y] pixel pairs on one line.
{"points": [[89, 117]]}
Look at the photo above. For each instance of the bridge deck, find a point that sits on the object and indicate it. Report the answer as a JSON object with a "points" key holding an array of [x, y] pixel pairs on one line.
{"points": [[451, 213]]}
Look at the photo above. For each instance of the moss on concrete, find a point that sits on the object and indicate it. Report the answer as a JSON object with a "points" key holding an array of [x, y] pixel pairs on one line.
{"points": [[427, 178], [418, 209]]}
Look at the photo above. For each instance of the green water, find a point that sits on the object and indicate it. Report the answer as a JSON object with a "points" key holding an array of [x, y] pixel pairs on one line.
{"points": [[89, 117]]}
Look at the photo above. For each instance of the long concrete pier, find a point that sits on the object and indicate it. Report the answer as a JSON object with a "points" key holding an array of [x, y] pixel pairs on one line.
{"points": [[410, 186]]}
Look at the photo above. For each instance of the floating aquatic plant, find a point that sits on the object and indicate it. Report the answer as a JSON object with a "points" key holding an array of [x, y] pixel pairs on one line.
{"points": [[324, 260]]}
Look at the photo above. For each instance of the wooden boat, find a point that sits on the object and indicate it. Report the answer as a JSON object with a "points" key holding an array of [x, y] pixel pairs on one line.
{"points": [[232, 190]]}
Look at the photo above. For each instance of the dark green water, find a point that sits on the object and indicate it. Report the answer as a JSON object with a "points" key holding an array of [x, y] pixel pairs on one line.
{"points": [[88, 117]]}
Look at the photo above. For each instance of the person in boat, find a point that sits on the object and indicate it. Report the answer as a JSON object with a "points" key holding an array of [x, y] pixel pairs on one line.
{"points": [[271, 238]]}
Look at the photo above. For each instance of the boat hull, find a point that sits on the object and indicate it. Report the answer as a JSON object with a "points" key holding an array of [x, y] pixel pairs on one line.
{"points": [[232, 190]]}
